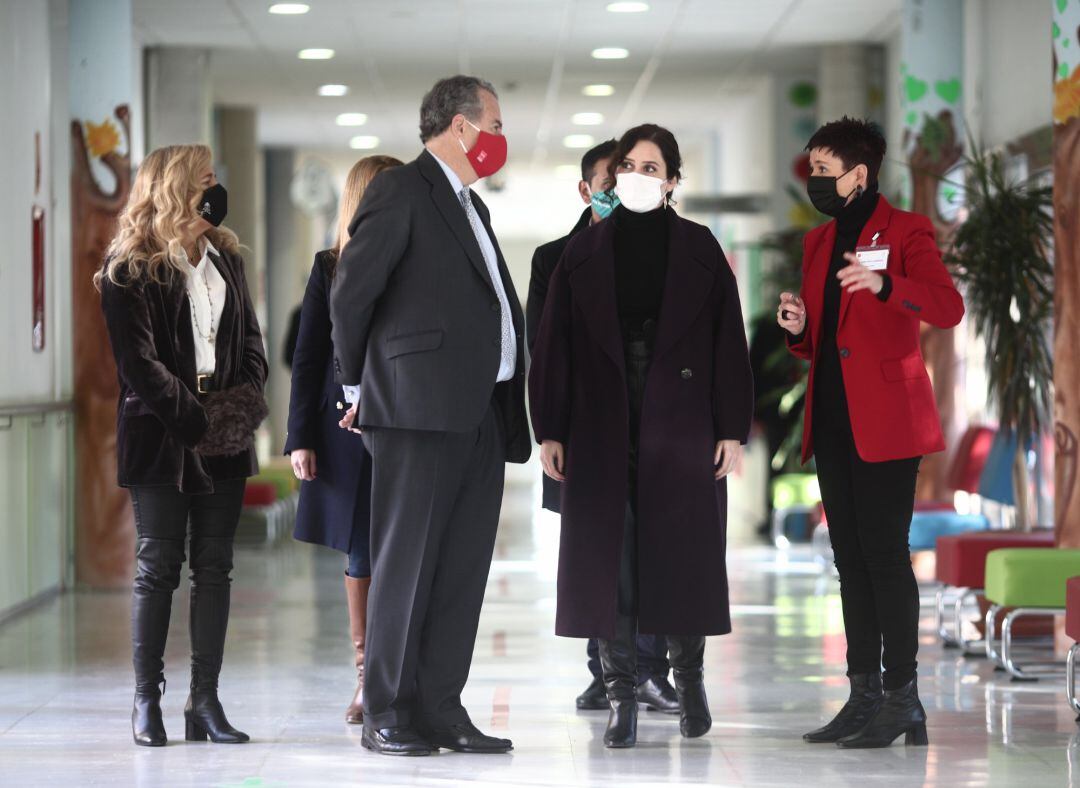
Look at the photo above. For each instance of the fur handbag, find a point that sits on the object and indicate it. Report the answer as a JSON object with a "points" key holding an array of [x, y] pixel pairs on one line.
{"points": [[234, 414]]}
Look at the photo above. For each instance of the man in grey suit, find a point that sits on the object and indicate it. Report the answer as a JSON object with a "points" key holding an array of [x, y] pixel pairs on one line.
{"points": [[427, 323]]}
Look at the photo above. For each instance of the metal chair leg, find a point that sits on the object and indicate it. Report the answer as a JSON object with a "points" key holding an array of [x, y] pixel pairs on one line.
{"points": [[1007, 661], [939, 617], [991, 618], [1070, 679], [971, 648]]}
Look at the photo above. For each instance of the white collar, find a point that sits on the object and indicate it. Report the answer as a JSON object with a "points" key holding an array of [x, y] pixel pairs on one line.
{"points": [[207, 250], [455, 181]]}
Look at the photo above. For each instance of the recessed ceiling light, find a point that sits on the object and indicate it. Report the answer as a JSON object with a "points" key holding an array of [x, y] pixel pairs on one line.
{"points": [[333, 90], [587, 119], [598, 90], [578, 141], [627, 8], [290, 9], [364, 142], [315, 54], [610, 53], [568, 172], [351, 119]]}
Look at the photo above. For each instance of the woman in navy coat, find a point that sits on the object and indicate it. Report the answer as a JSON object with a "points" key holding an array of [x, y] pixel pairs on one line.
{"points": [[332, 464], [641, 397]]}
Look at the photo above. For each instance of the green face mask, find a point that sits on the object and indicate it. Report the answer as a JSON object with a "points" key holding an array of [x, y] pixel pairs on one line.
{"points": [[604, 203]]}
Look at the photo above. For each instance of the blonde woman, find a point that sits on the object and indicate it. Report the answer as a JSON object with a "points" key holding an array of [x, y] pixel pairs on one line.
{"points": [[332, 464], [189, 355]]}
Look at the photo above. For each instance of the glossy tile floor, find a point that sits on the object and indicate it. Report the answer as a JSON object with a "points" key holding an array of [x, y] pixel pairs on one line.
{"points": [[65, 690]]}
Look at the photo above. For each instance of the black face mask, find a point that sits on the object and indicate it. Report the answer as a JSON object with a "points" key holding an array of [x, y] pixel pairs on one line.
{"points": [[214, 204], [821, 189]]}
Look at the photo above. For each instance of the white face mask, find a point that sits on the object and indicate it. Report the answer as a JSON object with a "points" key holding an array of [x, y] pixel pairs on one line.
{"points": [[639, 193]]}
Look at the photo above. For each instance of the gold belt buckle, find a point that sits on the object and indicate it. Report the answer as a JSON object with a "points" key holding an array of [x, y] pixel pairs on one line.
{"points": [[199, 383]]}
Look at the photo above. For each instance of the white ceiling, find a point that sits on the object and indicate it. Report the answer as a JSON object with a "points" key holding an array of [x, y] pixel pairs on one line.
{"points": [[689, 60]]}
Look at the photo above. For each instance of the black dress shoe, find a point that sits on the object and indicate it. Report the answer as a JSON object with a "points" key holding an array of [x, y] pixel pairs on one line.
{"points": [[901, 712], [395, 741], [594, 698], [862, 704], [657, 694], [466, 737]]}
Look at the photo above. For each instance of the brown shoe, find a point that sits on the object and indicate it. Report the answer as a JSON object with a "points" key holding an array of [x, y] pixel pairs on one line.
{"points": [[356, 591]]}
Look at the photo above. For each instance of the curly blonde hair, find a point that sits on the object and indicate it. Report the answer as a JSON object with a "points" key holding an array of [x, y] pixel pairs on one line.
{"points": [[160, 210]]}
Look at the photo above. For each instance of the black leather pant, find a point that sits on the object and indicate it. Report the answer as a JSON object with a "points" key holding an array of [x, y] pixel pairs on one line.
{"points": [[162, 518]]}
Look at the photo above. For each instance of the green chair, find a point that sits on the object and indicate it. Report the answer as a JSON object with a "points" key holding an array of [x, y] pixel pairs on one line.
{"points": [[1031, 580]]}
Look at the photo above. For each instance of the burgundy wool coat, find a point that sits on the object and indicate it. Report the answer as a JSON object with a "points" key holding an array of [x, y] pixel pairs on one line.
{"points": [[699, 390]]}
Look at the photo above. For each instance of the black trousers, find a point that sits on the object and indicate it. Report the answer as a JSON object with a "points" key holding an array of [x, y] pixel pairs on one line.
{"points": [[435, 500], [869, 507], [165, 520]]}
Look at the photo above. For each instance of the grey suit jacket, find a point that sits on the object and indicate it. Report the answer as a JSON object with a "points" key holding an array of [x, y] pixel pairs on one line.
{"points": [[416, 319]]}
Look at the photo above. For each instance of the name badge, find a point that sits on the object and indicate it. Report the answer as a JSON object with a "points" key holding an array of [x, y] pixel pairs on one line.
{"points": [[876, 258]]}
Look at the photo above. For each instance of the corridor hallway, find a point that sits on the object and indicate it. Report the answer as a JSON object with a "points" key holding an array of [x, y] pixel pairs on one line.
{"points": [[66, 687]]}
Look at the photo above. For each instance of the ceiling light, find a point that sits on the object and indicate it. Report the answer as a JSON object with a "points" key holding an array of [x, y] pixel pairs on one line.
{"points": [[610, 53], [363, 142], [578, 141], [289, 9], [627, 8], [597, 90], [351, 119], [587, 119], [315, 54], [333, 90]]}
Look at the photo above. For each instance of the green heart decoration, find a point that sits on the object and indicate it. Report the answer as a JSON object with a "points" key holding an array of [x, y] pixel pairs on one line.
{"points": [[948, 90], [915, 88]]}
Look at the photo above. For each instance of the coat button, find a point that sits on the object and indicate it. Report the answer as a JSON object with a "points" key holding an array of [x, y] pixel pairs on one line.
{"points": [[340, 406], [844, 352], [687, 373]]}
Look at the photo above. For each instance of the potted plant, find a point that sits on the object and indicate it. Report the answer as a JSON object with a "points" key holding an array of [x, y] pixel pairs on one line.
{"points": [[1001, 255]]}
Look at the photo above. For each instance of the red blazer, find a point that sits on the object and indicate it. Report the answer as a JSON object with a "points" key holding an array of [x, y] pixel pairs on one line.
{"points": [[890, 399]]}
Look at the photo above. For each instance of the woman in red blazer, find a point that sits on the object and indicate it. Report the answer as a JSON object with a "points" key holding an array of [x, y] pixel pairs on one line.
{"points": [[870, 277]]}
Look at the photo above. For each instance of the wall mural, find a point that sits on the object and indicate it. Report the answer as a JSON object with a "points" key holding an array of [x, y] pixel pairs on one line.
{"points": [[100, 183], [931, 96], [1066, 44]]}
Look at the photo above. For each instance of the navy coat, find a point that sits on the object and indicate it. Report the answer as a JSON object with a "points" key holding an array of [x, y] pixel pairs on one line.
{"points": [[337, 504], [699, 390]]}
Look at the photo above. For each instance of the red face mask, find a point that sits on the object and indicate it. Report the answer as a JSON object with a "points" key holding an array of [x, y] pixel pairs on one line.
{"points": [[488, 155]]}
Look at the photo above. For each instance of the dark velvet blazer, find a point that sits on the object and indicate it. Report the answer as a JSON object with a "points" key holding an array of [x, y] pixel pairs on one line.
{"points": [[159, 418]]}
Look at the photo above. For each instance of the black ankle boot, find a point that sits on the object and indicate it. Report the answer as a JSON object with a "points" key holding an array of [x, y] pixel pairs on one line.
{"points": [[687, 656], [157, 574], [900, 713], [147, 727], [211, 562], [862, 704], [204, 717], [618, 658]]}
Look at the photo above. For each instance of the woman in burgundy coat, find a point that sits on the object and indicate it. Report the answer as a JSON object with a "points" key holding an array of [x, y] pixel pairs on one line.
{"points": [[641, 399]]}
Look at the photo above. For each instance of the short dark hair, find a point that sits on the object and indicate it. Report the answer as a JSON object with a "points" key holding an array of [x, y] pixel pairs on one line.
{"points": [[662, 138], [854, 142], [457, 95], [592, 156]]}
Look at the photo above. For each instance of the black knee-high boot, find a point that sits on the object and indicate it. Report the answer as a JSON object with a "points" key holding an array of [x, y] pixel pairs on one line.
{"points": [[618, 658], [211, 562], [687, 656], [157, 574]]}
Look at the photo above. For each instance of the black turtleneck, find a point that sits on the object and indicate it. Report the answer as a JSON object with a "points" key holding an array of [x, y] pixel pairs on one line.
{"points": [[830, 399], [641, 258]]}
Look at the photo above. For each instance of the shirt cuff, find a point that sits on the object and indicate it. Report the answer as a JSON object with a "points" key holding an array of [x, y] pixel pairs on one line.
{"points": [[886, 288], [352, 394]]}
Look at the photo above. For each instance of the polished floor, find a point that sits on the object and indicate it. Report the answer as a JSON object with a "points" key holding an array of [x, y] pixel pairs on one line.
{"points": [[65, 690]]}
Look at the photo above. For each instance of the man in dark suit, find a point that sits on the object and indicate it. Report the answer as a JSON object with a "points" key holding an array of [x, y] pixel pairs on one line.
{"points": [[427, 322], [594, 188]]}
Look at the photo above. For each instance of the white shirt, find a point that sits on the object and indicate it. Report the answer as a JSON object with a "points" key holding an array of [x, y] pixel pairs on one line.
{"points": [[206, 295], [508, 359]]}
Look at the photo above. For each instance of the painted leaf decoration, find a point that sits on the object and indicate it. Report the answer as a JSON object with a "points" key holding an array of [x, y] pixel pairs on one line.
{"points": [[948, 90], [915, 88], [1067, 97]]}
